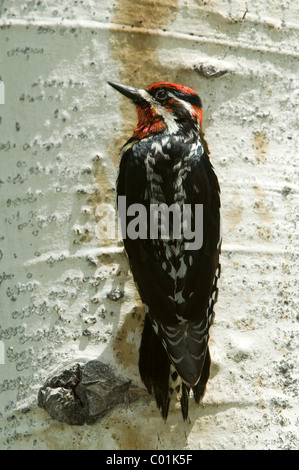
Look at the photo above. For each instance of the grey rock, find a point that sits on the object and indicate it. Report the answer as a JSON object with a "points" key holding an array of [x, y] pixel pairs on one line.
{"points": [[83, 393]]}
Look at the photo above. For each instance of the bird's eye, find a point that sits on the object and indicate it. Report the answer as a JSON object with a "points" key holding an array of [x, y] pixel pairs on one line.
{"points": [[161, 95]]}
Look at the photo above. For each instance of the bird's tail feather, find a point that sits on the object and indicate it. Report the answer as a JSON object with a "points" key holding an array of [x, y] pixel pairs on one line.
{"points": [[154, 367], [159, 375], [200, 388]]}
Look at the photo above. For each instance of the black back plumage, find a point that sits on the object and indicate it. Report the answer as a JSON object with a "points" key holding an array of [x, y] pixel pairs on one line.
{"points": [[178, 286]]}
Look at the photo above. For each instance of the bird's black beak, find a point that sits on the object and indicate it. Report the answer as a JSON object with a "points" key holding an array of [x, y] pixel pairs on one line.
{"points": [[127, 91]]}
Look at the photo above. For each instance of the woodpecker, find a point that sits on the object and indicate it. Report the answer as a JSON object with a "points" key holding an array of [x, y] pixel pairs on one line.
{"points": [[166, 162]]}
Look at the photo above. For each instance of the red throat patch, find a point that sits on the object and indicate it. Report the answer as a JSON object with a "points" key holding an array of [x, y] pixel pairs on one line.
{"points": [[148, 122]]}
